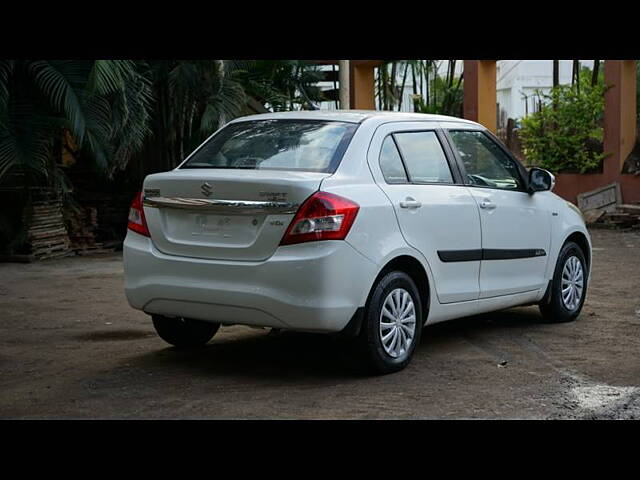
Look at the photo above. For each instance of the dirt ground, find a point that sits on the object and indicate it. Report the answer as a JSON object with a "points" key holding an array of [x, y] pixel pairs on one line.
{"points": [[71, 347]]}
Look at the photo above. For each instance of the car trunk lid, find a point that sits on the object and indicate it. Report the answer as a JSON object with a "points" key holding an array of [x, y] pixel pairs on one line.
{"points": [[224, 214]]}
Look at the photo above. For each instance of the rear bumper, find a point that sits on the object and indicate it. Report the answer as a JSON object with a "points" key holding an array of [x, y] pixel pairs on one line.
{"points": [[314, 286]]}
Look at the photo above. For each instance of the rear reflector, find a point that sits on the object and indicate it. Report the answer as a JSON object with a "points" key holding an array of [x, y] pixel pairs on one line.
{"points": [[323, 216], [137, 221]]}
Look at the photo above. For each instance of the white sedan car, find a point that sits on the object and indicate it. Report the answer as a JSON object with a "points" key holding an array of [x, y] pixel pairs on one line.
{"points": [[369, 223]]}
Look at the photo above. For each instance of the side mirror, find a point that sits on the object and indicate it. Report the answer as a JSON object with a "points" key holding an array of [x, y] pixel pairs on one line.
{"points": [[540, 180]]}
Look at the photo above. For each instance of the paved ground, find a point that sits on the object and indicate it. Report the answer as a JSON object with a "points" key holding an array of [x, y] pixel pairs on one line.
{"points": [[70, 347]]}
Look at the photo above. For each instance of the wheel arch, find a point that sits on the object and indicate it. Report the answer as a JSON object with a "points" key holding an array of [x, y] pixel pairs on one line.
{"points": [[418, 273], [581, 240]]}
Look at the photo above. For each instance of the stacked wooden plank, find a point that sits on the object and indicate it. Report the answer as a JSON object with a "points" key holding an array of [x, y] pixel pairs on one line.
{"points": [[102, 224], [47, 233], [113, 212], [82, 223], [624, 216], [97, 224], [83, 232]]}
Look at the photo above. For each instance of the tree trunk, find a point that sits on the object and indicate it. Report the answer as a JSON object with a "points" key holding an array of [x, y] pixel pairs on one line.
{"points": [[575, 74], [415, 85], [380, 88], [455, 92], [385, 81], [421, 75], [404, 81], [392, 84], [435, 67], [449, 91], [335, 84], [594, 75]]}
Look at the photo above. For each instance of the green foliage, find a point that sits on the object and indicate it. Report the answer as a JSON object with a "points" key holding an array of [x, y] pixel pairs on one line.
{"points": [[115, 108], [281, 85], [586, 75], [566, 134], [193, 98], [105, 112], [447, 97], [434, 91], [103, 104], [196, 97]]}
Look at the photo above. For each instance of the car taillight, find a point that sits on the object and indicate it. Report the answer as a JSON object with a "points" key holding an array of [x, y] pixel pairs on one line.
{"points": [[323, 216], [137, 222]]}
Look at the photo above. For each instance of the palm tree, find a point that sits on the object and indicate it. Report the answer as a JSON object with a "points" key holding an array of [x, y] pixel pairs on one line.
{"points": [[196, 97], [192, 99], [103, 113], [281, 85], [95, 108], [432, 93]]}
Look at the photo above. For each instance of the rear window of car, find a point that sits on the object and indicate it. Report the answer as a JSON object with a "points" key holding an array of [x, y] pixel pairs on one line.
{"points": [[424, 158], [300, 145]]}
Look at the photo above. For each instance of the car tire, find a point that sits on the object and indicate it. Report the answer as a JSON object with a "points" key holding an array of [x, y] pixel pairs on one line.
{"points": [[184, 332], [384, 350], [570, 275]]}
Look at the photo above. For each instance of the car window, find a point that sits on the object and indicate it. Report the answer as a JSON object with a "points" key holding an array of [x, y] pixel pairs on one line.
{"points": [[424, 158], [391, 163], [485, 162], [305, 145]]}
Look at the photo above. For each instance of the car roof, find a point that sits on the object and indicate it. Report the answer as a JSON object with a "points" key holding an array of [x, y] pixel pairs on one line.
{"points": [[353, 116]]}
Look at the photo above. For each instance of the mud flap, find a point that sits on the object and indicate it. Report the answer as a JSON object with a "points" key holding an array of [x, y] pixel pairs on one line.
{"points": [[546, 299], [352, 329]]}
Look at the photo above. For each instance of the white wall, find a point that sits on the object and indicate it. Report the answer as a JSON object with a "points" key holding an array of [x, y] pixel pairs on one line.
{"points": [[516, 79]]}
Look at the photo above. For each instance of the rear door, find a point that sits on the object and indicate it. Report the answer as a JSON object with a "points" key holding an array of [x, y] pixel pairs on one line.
{"points": [[516, 226], [234, 198], [437, 215]]}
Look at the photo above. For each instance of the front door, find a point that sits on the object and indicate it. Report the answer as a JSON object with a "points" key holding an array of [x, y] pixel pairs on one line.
{"points": [[516, 226], [437, 215]]}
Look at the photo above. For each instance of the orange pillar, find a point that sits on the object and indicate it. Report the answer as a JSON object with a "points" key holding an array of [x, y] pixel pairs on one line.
{"points": [[362, 84], [480, 92], [619, 114]]}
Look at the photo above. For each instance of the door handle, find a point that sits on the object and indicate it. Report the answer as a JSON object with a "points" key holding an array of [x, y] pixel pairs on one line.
{"points": [[410, 203], [487, 204]]}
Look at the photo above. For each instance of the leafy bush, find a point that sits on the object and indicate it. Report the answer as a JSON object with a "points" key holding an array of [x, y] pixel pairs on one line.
{"points": [[447, 99], [566, 133]]}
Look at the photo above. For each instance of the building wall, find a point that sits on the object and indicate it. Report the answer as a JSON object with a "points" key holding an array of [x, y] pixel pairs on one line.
{"points": [[518, 80]]}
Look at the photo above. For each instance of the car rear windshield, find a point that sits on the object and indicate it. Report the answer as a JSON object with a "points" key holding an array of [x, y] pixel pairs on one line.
{"points": [[301, 145]]}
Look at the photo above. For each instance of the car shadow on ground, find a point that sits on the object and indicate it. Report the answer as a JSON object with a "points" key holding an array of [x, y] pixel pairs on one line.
{"points": [[105, 336], [301, 357], [289, 356], [487, 323]]}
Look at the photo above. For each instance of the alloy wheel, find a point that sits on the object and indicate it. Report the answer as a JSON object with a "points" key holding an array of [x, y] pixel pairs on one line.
{"points": [[572, 283], [397, 323]]}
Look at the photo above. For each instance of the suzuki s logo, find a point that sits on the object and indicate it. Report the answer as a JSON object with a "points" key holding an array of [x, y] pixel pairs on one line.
{"points": [[207, 189]]}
